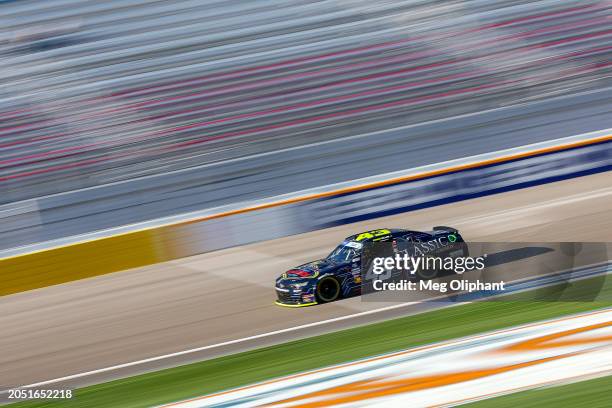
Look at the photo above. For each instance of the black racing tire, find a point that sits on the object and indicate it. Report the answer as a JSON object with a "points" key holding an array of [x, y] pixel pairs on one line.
{"points": [[427, 274], [328, 290]]}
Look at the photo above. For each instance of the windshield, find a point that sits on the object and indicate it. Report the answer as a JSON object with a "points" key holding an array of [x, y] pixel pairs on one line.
{"points": [[345, 252]]}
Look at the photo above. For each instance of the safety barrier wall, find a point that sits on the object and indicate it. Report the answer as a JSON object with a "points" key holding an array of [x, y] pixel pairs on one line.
{"points": [[162, 240]]}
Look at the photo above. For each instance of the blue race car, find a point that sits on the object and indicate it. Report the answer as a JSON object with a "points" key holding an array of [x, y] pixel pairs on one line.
{"points": [[339, 274]]}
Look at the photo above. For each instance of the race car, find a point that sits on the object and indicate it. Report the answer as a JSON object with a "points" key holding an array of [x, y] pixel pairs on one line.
{"points": [[339, 274]]}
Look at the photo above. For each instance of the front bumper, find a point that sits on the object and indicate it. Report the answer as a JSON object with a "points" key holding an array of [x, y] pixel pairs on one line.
{"points": [[291, 298]]}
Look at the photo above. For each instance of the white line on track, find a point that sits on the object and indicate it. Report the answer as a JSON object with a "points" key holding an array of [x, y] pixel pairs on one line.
{"points": [[212, 346]]}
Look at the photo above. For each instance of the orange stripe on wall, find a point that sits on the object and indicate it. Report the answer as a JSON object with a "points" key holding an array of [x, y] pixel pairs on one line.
{"points": [[406, 178], [145, 246]]}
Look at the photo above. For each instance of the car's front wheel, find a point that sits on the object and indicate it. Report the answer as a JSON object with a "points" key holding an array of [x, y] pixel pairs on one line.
{"points": [[328, 290]]}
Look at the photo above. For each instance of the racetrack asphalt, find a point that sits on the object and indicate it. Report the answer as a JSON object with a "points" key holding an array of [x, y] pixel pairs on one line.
{"points": [[227, 295]]}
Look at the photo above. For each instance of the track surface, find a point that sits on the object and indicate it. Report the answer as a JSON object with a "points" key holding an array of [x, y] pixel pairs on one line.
{"points": [[226, 295]]}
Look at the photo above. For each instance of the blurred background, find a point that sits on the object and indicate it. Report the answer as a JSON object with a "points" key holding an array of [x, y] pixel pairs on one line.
{"points": [[119, 116], [199, 95]]}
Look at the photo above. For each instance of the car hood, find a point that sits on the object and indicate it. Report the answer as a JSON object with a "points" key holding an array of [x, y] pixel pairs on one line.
{"points": [[310, 270]]}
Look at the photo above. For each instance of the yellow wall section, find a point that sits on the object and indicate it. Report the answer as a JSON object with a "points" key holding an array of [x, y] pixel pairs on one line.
{"points": [[78, 261]]}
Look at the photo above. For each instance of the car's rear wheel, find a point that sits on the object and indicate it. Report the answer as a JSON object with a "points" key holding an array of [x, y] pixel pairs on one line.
{"points": [[328, 290], [426, 274]]}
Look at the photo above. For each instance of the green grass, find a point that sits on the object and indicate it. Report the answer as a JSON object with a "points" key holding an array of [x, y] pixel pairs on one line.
{"points": [[239, 369], [595, 393]]}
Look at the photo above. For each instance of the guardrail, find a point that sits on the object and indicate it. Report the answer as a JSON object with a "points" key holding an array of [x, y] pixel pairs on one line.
{"points": [[189, 234]]}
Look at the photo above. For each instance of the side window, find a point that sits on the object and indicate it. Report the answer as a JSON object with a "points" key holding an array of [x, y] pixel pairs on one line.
{"points": [[355, 247], [402, 243]]}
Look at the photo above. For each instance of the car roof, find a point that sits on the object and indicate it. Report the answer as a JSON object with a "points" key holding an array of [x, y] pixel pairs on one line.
{"points": [[377, 234]]}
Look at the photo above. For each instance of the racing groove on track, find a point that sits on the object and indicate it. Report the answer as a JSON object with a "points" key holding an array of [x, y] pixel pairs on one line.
{"points": [[226, 295]]}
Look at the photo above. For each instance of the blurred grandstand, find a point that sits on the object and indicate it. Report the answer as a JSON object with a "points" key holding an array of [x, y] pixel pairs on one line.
{"points": [[95, 92]]}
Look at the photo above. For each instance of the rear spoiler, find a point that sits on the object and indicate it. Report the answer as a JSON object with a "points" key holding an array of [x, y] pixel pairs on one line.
{"points": [[443, 228]]}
